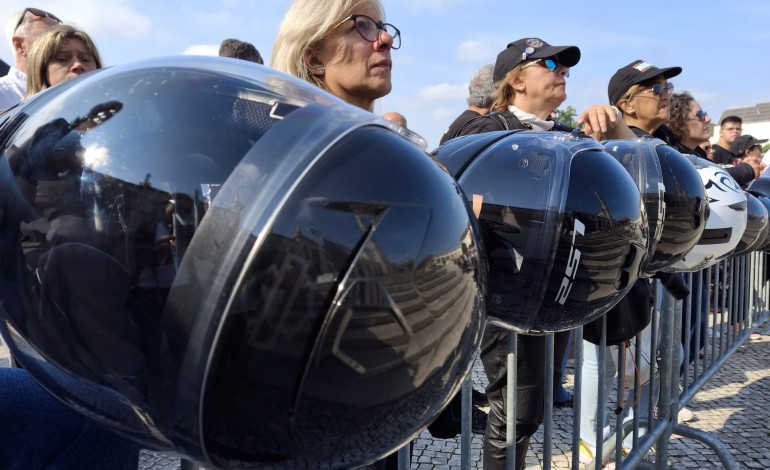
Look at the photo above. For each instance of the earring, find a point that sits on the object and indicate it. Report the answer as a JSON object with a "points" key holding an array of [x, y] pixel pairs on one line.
{"points": [[321, 70]]}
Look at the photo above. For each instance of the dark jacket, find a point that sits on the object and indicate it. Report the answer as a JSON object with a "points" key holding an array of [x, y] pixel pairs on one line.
{"points": [[743, 173]]}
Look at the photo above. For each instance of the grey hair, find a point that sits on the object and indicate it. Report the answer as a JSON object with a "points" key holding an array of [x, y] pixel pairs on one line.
{"points": [[481, 87]]}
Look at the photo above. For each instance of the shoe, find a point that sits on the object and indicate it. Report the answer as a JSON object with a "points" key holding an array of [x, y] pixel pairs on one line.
{"points": [[755, 336], [585, 453], [565, 404], [685, 415], [586, 456], [480, 400]]}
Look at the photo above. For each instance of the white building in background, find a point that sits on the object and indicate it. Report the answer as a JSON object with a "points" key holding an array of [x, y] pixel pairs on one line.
{"points": [[756, 121]]}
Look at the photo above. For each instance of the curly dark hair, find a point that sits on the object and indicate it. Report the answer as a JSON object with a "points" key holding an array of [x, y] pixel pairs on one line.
{"points": [[679, 106]]}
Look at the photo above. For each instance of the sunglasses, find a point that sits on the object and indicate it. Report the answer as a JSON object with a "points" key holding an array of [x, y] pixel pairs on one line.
{"points": [[36, 12], [659, 88], [700, 116], [370, 29], [550, 63]]}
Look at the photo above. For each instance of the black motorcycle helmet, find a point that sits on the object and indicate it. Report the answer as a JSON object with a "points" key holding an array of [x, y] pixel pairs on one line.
{"points": [[686, 209], [756, 231], [765, 201], [225, 262], [760, 185], [639, 158], [563, 225]]}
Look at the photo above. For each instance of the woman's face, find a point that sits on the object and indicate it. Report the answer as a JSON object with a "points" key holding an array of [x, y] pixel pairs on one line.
{"points": [[353, 68], [651, 107], [540, 87], [73, 59], [697, 123]]}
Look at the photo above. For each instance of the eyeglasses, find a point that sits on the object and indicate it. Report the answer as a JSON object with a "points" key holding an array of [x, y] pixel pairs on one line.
{"points": [[550, 63], [36, 12], [700, 116], [659, 88], [370, 29]]}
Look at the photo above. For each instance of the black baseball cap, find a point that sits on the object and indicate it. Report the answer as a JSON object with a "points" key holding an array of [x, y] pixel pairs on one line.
{"points": [[532, 48], [634, 73], [743, 143]]}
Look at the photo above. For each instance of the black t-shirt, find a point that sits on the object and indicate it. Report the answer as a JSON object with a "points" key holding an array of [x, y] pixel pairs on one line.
{"points": [[721, 155], [457, 124]]}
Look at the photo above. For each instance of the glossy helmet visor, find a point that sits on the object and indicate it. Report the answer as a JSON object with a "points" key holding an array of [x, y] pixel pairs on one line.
{"points": [[760, 188], [639, 158], [563, 224], [225, 262], [756, 226], [726, 220]]}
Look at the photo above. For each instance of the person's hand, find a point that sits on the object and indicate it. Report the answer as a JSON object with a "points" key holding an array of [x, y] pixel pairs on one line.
{"points": [[602, 121], [598, 118]]}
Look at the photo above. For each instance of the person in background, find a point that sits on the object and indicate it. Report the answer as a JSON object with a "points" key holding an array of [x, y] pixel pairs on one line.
{"points": [[343, 48], [689, 126], [709, 149], [641, 91], [398, 118], [240, 50], [38, 430], [747, 149], [730, 128], [480, 90], [531, 77], [22, 30], [60, 53]]}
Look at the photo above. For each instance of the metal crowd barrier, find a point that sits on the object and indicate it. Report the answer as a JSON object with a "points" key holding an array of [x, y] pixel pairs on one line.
{"points": [[726, 304]]}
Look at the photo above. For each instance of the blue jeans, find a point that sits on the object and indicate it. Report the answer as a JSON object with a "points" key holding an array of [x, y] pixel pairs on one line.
{"points": [[39, 432]]}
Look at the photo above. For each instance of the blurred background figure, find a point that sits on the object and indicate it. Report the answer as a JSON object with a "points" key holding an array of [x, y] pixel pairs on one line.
{"points": [[730, 128], [480, 91], [60, 53], [708, 149], [22, 30], [398, 118], [747, 149], [238, 49]]}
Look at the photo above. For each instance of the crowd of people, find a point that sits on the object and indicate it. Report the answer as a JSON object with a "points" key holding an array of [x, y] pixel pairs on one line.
{"points": [[346, 50]]}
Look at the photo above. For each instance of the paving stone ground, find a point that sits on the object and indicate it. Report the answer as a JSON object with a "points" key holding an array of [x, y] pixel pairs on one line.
{"points": [[734, 406]]}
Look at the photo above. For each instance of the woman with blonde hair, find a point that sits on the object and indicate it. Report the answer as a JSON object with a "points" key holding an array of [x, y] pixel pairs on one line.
{"points": [[343, 47], [59, 54]]}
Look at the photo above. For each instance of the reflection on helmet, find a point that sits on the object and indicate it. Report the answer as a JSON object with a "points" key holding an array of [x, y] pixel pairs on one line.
{"points": [[222, 261], [639, 158], [686, 207], [726, 219], [761, 186], [756, 226], [563, 224]]}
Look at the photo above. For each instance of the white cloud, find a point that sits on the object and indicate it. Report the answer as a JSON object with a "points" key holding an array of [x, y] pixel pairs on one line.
{"points": [[474, 50], [201, 49], [442, 92]]}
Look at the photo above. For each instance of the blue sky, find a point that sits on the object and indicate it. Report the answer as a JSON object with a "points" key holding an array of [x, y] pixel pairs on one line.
{"points": [[722, 46]]}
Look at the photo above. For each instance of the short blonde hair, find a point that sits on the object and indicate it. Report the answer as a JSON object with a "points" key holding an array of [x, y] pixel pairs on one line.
{"points": [[633, 90], [504, 93], [46, 47], [304, 29]]}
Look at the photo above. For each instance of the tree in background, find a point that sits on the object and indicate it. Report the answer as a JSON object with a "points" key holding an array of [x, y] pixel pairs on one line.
{"points": [[566, 116]]}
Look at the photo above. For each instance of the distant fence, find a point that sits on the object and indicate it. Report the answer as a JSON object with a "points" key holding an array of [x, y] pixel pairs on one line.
{"points": [[690, 341]]}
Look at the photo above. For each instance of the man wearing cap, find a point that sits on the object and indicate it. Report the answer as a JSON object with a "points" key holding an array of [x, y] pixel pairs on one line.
{"points": [[747, 149], [730, 128], [23, 29]]}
